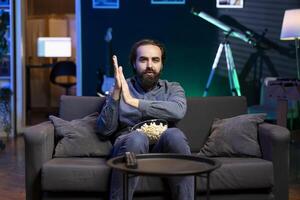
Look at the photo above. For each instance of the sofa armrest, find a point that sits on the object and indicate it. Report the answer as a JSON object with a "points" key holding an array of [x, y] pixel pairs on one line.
{"points": [[39, 146], [274, 141]]}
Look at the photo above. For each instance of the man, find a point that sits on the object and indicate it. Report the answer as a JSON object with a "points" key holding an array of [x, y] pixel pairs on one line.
{"points": [[140, 98]]}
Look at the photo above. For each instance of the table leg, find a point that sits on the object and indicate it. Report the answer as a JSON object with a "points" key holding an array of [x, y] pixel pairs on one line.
{"points": [[195, 187], [282, 110], [125, 186], [208, 186]]}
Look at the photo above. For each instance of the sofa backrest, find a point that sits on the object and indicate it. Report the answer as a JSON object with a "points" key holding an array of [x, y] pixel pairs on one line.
{"points": [[201, 112], [75, 107]]}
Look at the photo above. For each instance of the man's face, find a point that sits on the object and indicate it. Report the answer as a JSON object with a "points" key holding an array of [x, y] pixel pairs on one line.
{"points": [[148, 64]]}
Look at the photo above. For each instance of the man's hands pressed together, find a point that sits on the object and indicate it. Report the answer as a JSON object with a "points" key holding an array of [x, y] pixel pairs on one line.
{"points": [[121, 86], [117, 88], [125, 91]]}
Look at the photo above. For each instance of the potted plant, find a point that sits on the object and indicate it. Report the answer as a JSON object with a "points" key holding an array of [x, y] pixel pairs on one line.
{"points": [[4, 33], [4, 43], [5, 93]]}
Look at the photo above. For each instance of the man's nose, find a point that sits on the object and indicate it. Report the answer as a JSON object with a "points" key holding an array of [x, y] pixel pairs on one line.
{"points": [[149, 64]]}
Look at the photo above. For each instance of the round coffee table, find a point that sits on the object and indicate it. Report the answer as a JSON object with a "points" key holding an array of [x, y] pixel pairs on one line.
{"points": [[165, 165]]}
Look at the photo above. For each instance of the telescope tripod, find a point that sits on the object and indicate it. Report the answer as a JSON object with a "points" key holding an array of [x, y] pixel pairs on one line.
{"points": [[232, 74], [256, 64]]}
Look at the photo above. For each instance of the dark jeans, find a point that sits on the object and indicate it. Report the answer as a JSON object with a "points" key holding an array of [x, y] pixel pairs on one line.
{"points": [[171, 141]]}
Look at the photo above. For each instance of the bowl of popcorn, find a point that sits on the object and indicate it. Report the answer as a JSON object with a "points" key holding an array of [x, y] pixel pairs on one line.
{"points": [[153, 128]]}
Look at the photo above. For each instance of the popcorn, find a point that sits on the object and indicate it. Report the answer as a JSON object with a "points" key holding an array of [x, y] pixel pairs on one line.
{"points": [[153, 130]]}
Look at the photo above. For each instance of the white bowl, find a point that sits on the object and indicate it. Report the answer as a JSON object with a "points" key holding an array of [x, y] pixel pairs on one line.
{"points": [[152, 128]]}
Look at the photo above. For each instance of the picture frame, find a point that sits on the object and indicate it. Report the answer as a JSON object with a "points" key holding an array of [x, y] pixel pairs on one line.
{"points": [[167, 1], [4, 3], [106, 4], [230, 3]]}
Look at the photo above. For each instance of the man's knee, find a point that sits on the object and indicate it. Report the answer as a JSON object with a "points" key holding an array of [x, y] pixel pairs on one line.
{"points": [[174, 135], [174, 141], [137, 142]]}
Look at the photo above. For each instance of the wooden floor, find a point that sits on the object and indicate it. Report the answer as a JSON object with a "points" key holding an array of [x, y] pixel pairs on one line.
{"points": [[12, 170], [12, 184]]}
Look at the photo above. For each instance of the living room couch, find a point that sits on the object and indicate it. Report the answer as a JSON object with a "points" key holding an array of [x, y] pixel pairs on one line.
{"points": [[240, 178]]}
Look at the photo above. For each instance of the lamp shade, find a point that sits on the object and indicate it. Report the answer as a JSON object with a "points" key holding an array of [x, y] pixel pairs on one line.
{"points": [[54, 47], [291, 25]]}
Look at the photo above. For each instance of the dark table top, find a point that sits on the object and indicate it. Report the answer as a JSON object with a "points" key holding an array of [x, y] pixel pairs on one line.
{"points": [[166, 165]]}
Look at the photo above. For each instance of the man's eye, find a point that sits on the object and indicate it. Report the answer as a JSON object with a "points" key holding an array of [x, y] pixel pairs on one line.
{"points": [[143, 59], [156, 60]]}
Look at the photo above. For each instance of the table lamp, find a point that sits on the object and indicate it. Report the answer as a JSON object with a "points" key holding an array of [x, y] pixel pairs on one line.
{"points": [[291, 31], [54, 47]]}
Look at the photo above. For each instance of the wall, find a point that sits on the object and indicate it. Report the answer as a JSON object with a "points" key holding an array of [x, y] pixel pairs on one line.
{"points": [[48, 7], [275, 58], [186, 37], [191, 41]]}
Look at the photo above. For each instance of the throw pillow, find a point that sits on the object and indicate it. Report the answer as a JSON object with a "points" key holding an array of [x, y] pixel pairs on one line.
{"points": [[236, 136], [79, 137]]}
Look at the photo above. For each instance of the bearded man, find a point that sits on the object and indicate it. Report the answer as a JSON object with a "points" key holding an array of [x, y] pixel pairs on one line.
{"points": [[142, 97]]}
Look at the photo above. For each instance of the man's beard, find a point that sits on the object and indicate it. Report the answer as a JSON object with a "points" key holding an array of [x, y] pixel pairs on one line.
{"points": [[148, 79]]}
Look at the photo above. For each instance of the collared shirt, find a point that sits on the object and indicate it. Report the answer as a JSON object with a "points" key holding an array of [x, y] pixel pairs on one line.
{"points": [[165, 101]]}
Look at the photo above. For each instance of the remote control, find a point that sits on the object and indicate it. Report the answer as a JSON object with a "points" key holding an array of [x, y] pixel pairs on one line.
{"points": [[130, 160]]}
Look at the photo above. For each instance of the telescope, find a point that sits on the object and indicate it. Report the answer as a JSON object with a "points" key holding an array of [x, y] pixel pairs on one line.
{"points": [[228, 31], [232, 74]]}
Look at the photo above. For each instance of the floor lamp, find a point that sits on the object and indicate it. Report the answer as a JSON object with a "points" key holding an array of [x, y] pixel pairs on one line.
{"points": [[54, 47], [291, 31]]}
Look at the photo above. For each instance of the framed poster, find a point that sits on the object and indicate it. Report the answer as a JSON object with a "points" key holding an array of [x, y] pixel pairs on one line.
{"points": [[230, 3], [106, 4], [4, 3], [167, 1]]}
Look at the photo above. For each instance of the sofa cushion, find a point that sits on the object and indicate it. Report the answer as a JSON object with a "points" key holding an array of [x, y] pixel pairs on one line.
{"points": [[236, 136], [240, 173], [75, 174], [88, 175], [201, 113], [78, 137], [92, 175]]}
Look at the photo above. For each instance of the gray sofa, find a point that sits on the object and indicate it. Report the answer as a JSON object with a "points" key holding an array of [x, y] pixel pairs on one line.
{"points": [[88, 177]]}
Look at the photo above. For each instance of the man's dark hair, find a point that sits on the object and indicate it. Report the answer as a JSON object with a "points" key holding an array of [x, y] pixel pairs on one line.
{"points": [[132, 56]]}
